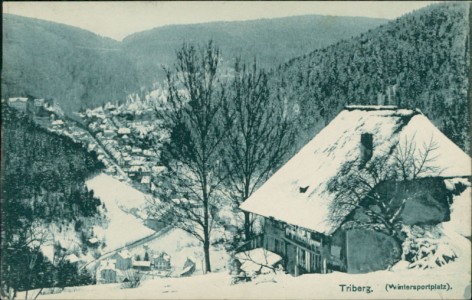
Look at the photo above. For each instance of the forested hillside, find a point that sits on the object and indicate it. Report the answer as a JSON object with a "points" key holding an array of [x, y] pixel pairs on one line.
{"points": [[50, 60], [81, 69], [43, 197], [271, 41], [420, 60]]}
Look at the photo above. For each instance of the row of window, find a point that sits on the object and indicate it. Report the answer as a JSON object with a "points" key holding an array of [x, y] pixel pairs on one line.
{"points": [[310, 261]]}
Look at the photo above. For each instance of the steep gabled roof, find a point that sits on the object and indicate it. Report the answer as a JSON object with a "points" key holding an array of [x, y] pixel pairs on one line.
{"points": [[298, 193], [125, 254]]}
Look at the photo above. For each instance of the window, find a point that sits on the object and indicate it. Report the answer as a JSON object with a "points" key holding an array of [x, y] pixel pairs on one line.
{"points": [[315, 262], [301, 257]]}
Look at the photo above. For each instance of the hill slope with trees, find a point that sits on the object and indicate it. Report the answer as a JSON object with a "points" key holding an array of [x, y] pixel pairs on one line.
{"points": [[271, 41], [43, 197], [421, 60], [81, 69], [76, 67]]}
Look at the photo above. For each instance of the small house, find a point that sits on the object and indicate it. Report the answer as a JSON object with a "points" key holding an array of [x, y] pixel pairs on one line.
{"points": [[106, 272], [123, 260], [108, 133], [124, 131], [18, 103], [157, 169], [136, 150], [142, 265], [161, 261], [188, 268], [146, 181], [321, 209], [149, 153], [57, 124]]}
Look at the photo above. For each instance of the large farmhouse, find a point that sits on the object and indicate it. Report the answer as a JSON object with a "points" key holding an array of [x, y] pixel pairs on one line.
{"points": [[339, 202]]}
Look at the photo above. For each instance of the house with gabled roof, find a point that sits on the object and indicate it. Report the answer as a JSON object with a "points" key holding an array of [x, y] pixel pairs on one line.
{"points": [[106, 272], [306, 215], [161, 261], [123, 260]]}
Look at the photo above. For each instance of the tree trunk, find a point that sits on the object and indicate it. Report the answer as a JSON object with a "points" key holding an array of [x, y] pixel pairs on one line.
{"points": [[206, 234], [247, 226], [247, 219], [206, 250]]}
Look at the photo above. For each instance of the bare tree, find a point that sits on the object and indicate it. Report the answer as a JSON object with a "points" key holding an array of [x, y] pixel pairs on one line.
{"points": [[187, 194], [23, 253], [411, 161], [356, 185], [260, 135]]}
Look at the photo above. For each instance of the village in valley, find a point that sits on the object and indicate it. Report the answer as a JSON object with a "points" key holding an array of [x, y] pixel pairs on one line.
{"points": [[120, 138], [123, 138], [229, 180]]}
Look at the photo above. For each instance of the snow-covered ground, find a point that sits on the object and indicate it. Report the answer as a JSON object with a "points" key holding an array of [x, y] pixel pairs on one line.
{"points": [[455, 278], [181, 245], [124, 228], [119, 198], [452, 281]]}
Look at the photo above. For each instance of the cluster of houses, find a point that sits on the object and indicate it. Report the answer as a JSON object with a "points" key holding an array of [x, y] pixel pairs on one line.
{"points": [[43, 111], [47, 114], [118, 135], [122, 139], [115, 269]]}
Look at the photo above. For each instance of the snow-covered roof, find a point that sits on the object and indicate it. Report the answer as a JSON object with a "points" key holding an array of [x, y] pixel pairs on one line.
{"points": [[124, 254], [139, 169], [149, 152], [141, 263], [162, 255], [146, 179], [158, 169], [124, 130], [108, 264], [93, 240], [320, 160], [22, 99], [136, 150], [72, 258], [137, 162], [57, 122]]}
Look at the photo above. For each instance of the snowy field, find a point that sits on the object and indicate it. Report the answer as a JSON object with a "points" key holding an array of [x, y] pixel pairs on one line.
{"points": [[118, 197], [455, 276]]}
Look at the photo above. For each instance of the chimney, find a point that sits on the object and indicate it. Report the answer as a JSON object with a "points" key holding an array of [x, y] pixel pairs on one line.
{"points": [[366, 148]]}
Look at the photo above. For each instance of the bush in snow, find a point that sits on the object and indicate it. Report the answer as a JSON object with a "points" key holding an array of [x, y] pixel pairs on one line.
{"points": [[132, 279], [426, 247]]}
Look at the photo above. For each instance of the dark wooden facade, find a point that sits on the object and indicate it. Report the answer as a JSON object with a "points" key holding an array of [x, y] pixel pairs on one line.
{"points": [[303, 251], [357, 250]]}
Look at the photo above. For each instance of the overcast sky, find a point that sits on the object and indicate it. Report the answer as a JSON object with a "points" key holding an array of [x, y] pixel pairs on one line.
{"points": [[119, 19]]}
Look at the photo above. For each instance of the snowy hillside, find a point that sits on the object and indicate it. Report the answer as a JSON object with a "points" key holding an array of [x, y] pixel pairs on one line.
{"points": [[119, 198]]}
